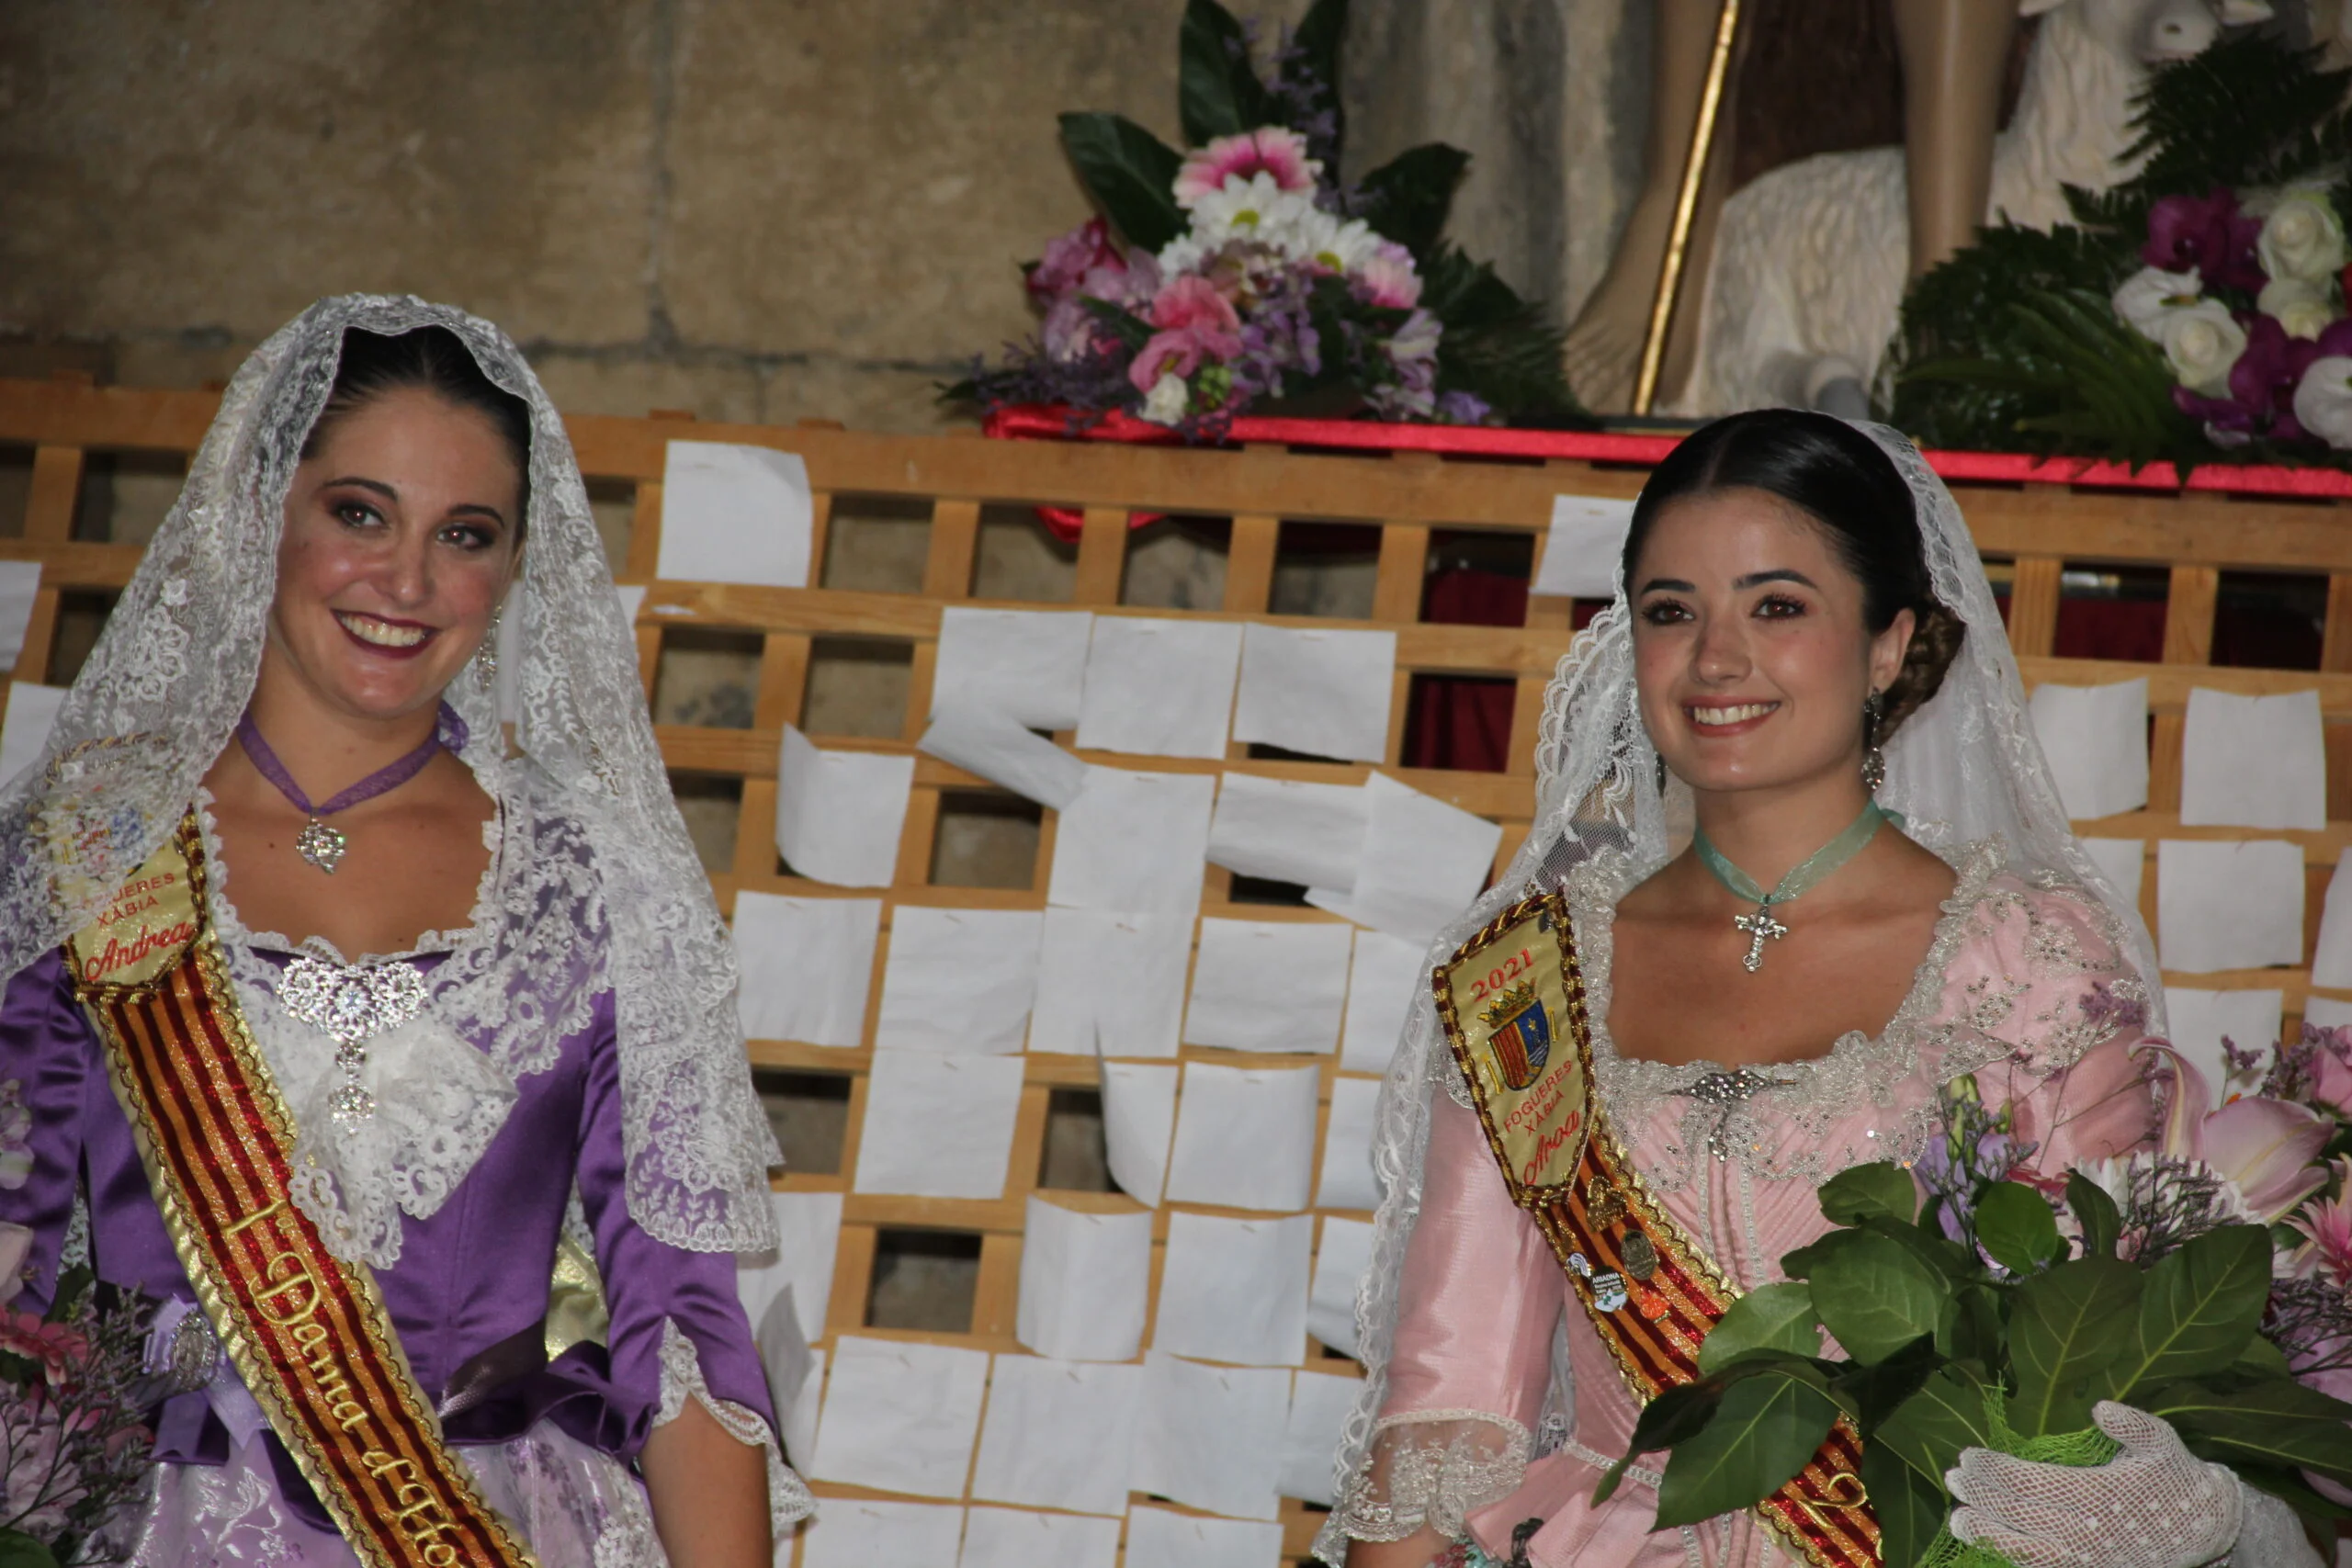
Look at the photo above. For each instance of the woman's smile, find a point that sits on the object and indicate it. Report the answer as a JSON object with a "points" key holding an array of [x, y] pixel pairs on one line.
{"points": [[394, 640], [1718, 719]]}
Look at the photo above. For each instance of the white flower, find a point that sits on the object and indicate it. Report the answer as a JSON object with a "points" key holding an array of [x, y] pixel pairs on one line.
{"points": [[1184, 254], [2323, 400], [1255, 208], [2144, 297], [1164, 405], [1350, 248], [2300, 307], [2202, 341], [2302, 238]]}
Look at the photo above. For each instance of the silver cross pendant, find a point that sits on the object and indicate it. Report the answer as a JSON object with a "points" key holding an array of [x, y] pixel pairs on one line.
{"points": [[1761, 928]]}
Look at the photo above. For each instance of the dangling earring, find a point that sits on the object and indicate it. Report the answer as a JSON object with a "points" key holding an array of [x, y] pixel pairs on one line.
{"points": [[486, 655], [1874, 759]]}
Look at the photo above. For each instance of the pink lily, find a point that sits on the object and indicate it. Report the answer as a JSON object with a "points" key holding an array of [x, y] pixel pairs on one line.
{"points": [[2265, 1149]]}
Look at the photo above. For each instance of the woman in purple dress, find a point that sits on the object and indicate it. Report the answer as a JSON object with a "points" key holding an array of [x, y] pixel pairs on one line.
{"points": [[441, 907]]}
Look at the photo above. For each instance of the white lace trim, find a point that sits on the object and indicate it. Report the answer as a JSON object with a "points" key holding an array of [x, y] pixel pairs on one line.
{"points": [[159, 697], [1433, 1469], [442, 1082], [789, 1499], [1967, 767], [1640, 1473], [1813, 1094]]}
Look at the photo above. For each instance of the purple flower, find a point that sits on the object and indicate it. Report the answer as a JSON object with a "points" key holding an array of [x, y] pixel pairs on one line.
{"points": [[1463, 408], [1069, 258], [2268, 372], [2101, 1005], [2208, 234], [2227, 421]]}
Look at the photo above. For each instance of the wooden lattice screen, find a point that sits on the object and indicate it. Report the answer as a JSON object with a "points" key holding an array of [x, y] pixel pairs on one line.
{"points": [[2195, 550]]}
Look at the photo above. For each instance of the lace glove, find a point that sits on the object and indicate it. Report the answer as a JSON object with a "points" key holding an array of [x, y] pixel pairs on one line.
{"points": [[2153, 1506], [2272, 1536]]}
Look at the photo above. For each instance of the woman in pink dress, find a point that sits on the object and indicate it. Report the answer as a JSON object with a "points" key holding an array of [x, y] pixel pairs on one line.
{"points": [[1804, 679]]}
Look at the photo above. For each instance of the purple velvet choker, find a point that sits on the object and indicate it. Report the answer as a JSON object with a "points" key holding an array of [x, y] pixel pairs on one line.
{"points": [[320, 845]]}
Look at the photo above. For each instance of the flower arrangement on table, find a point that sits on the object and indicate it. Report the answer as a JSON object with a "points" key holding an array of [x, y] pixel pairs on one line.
{"points": [[74, 1443], [2195, 312], [1244, 273], [2207, 1282]]}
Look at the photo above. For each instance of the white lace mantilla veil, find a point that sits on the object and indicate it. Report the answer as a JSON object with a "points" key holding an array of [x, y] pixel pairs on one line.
{"points": [[160, 697], [1965, 767]]}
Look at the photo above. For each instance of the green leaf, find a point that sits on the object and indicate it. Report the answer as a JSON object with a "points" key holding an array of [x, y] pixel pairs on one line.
{"points": [[2261, 1358], [1871, 1393], [1676, 1416], [1928, 1430], [2015, 1224], [1958, 1264], [1876, 1296], [1775, 1317], [1129, 173], [73, 1284], [1408, 199], [2094, 1212], [1971, 1328], [1217, 90], [19, 1550], [2062, 1333], [1131, 330], [1765, 1431], [2201, 1305], [1497, 344], [1910, 1506], [2278, 1423], [1878, 1188]]}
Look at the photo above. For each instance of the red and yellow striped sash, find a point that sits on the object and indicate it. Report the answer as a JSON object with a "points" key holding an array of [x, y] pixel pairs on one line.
{"points": [[1511, 1000], [308, 1331]]}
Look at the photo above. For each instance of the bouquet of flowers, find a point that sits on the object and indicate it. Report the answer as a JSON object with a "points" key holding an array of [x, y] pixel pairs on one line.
{"points": [[2204, 1282], [74, 1449], [1245, 270], [2195, 312]]}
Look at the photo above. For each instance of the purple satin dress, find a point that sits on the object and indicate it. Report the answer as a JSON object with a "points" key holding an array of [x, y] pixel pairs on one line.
{"points": [[548, 1447]]}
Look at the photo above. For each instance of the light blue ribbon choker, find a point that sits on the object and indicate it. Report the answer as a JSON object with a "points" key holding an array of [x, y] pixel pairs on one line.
{"points": [[1806, 875]]}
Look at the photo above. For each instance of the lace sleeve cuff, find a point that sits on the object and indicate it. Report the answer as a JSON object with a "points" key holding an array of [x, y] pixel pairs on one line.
{"points": [[1431, 1468], [788, 1496]]}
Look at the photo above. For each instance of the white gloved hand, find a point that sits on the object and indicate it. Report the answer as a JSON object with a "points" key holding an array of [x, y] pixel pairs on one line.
{"points": [[2155, 1505], [2272, 1536]]}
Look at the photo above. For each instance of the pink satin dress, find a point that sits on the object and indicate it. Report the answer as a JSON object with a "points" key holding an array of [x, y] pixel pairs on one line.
{"points": [[2023, 986]]}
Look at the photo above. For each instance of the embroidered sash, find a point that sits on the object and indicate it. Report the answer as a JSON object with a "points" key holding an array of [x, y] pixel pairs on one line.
{"points": [[1511, 1000], [308, 1331]]}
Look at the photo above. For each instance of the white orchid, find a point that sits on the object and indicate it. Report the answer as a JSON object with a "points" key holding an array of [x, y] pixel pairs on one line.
{"points": [[2149, 294], [2299, 308], [2302, 239], [2202, 341], [2323, 399]]}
